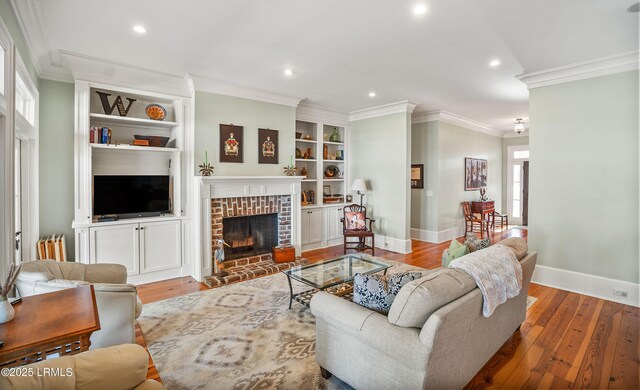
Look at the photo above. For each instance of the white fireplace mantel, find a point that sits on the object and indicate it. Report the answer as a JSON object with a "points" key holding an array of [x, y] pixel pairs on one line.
{"points": [[213, 187]]}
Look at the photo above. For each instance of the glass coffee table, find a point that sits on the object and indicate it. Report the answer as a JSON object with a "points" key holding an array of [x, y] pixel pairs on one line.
{"points": [[331, 273]]}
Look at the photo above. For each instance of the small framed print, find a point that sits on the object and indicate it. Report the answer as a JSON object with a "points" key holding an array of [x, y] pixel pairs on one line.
{"points": [[417, 176], [326, 190], [231, 143], [268, 146], [349, 198]]}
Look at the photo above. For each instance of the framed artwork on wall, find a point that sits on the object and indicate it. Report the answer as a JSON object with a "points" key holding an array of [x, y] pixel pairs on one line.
{"points": [[417, 176], [475, 173], [268, 146], [231, 143]]}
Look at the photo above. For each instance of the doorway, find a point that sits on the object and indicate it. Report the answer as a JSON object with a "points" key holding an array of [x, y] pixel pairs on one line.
{"points": [[17, 201], [518, 184]]}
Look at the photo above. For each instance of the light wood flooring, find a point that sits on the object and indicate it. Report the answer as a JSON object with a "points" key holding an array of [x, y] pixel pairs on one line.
{"points": [[568, 340]]}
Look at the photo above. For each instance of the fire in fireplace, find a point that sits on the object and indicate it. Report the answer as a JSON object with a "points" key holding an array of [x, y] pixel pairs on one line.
{"points": [[250, 235]]}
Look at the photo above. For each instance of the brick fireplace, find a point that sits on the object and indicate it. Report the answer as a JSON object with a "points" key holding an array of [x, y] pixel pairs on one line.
{"points": [[225, 210], [230, 197]]}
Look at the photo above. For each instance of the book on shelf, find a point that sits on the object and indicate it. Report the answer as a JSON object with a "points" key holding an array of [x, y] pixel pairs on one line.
{"points": [[53, 247]]}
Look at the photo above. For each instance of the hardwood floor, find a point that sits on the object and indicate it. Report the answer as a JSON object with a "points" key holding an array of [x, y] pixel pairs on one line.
{"points": [[568, 340]]}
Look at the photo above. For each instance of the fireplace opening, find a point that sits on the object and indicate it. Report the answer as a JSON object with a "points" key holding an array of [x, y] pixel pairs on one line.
{"points": [[249, 236]]}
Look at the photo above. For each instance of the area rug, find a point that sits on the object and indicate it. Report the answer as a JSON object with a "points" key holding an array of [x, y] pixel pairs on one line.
{"points": [[240, 336]]}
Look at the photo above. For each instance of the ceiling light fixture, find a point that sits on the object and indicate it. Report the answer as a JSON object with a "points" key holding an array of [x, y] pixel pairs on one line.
{"points": [[288, 72], [494, 63], [372, 94], [519, 126], [139, 29], [420, 9]]}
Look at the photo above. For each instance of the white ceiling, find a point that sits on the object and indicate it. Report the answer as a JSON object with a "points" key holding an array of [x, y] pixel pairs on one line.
{"points": [[341, 50]]}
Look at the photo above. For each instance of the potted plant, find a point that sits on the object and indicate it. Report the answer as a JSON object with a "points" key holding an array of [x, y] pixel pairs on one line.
{"points": [[6, 310]]}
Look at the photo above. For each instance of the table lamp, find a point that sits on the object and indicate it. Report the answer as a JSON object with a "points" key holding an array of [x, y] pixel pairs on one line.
{"points": [[360, 187]]}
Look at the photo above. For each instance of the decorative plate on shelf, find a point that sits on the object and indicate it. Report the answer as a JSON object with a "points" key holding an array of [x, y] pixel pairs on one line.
{"points": [[156, 112], [331, 172]]}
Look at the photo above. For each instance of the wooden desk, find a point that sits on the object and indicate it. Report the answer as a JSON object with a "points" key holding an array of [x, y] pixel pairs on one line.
{"points": [[59, 323], [484, 208]]}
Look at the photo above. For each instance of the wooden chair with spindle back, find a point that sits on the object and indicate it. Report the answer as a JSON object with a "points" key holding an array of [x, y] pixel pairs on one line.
{"points": [[354, 225], [470, 220]]}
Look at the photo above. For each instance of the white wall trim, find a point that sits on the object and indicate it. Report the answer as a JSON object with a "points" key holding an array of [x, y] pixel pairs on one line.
{"points": [[455, 119], [436, 237], [312, 113], [225, 88], [47, 62], [581, 70], [385, 109], [591, 285], [393, 244], [108, 72]]}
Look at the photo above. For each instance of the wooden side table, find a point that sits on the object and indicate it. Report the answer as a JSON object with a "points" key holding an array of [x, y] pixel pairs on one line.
{"points": [[484, 209], [59, 323]]}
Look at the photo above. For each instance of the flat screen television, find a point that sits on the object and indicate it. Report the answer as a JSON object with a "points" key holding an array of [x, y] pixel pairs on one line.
{"points": [[131, 196]]}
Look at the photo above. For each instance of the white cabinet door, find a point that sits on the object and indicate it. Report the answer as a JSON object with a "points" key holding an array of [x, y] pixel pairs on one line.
{"points": [[304, 226], [334, 225], [315, 225], [115, 244], [160, 246]]}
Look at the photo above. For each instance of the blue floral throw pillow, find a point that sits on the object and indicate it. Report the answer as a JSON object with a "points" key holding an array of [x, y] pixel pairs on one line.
{"points": [[377, 292]]}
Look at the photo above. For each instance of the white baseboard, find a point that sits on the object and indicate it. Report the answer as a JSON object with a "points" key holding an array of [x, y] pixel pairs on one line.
{"points": [[393, 244], [592, 285], [436, 237]]}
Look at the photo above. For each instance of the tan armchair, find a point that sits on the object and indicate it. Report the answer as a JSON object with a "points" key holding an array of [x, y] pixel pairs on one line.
{"points": [[123, 367], [118, 302]]}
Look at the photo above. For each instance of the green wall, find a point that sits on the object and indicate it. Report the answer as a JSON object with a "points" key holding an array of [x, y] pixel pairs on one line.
{"points": [[424, 150], [380, 154], [10, 20], [506, 142], [56, 160], [583, 209], [442, 147], [211, 110]]}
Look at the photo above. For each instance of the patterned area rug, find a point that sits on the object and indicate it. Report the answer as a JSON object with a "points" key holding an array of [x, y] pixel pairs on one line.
{"points": [[240, 336]]}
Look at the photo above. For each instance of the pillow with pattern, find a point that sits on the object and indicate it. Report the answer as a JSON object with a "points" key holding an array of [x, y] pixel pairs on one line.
{"points": [[355, 221], [377, 292], [475, 244]]}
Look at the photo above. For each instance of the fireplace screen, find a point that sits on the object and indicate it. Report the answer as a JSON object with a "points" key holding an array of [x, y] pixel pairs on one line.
{"points": [[249, 236]]}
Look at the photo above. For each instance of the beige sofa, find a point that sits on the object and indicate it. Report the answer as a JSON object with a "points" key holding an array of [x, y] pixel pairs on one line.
{"points": [[118, 303], [364, 349], [123, 367]]}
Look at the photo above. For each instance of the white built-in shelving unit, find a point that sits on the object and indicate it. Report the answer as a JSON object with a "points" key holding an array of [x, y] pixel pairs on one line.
{"points": [[152, 248]]}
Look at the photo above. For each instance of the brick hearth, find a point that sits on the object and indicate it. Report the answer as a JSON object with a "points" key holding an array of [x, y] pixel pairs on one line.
{"points": [[255, 266], [250, 268]]}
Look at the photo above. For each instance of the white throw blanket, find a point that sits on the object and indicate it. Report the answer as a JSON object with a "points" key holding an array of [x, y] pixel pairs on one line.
{"points": [[496, 271]]}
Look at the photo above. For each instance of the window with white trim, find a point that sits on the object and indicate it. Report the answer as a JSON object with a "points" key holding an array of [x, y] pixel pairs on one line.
{"points": [[25, 102]]}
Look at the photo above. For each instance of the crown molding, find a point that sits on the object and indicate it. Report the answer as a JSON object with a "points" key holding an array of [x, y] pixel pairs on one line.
{"points": [[313, 113], [47, 63], [103, 71], [225, 88], [581, 70], [404, 106], [458, 120]]}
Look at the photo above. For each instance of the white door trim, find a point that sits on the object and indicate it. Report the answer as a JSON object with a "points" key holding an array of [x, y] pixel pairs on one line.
{"points": [[510, 162]]}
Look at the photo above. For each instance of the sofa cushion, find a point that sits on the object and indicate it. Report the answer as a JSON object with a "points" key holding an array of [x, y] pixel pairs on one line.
{"points": [[473, 243], [377, 292], [518, 245], [456, 249], [418, 299]]}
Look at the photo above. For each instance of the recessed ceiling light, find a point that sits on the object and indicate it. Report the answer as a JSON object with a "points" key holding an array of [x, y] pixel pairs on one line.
{"points": [[139, 29], [420, 9], [288, 72], [494, 63], [372, 94]]}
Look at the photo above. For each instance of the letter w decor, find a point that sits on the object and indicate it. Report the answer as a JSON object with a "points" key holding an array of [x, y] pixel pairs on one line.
{"points": [[104, 98]]}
